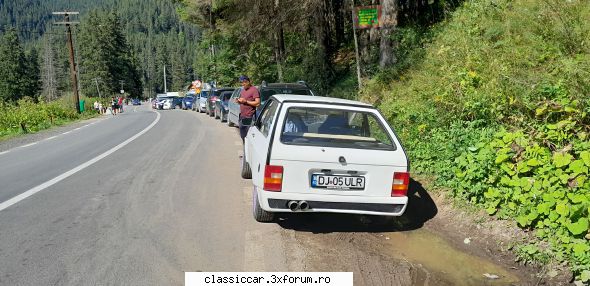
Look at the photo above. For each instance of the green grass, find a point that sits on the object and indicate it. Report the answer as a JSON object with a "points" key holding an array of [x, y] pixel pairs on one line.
{"points": [[25, 116]]}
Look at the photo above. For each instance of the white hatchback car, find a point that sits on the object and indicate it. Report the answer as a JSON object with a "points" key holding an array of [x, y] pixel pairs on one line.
{"points": [[321, 154]]}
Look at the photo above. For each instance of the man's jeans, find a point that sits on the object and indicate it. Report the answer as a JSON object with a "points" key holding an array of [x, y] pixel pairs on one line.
{"points": [[244, 124]]}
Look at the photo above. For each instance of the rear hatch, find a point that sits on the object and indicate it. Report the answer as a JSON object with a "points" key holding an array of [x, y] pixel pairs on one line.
{"points": [[337, 150], [338, 171]]}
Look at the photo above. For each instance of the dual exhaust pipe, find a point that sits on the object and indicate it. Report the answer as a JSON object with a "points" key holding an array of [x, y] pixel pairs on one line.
{"points": [[298, 205]]}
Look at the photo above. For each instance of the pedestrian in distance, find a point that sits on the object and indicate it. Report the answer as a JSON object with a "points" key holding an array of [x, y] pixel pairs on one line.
{"points": [[249, 99], [114, 105], [120, 104]]}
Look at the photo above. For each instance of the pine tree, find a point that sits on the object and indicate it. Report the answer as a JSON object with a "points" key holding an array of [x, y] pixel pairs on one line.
{"points": [[13, 65]]}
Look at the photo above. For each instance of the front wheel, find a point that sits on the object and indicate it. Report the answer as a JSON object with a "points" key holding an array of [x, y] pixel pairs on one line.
{"points": [[246, 171], [260, 215]]}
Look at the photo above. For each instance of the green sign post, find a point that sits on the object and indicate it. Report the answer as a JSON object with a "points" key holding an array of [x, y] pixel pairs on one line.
{"points": [[367, 17]]}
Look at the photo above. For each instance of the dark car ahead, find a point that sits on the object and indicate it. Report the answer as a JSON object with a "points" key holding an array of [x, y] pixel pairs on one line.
{"points": [[188, 103], [222, 106], [136, 101], [210, 108]]}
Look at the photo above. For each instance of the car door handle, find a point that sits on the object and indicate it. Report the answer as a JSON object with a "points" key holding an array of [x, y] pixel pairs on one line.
{"points": [[253, 135]]}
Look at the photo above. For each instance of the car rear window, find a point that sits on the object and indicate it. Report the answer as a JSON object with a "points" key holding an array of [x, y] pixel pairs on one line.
{"points": [[335, 128]]}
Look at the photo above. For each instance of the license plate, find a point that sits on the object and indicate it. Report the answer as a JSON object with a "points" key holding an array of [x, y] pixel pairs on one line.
{"points": [[338, 182]]}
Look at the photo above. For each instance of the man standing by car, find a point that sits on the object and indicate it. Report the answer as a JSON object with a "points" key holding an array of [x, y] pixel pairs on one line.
{"points": [[249, 99]]}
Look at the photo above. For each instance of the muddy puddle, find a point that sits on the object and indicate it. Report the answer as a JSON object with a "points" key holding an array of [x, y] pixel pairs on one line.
{"points": [[443, 260]]}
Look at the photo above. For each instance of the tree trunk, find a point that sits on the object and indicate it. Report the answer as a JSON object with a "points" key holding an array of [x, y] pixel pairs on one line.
{"points": [[389, 12]]}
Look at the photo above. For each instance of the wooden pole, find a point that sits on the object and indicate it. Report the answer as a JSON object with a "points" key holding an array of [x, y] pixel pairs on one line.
{"points": [[73, 72], [356, 47]]}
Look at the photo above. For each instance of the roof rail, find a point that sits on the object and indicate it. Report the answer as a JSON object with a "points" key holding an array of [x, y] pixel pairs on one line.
{"points": [[302, 82]]}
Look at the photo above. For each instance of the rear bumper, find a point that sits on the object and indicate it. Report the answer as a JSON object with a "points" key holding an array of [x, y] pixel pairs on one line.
{"points": [[384, 206]]}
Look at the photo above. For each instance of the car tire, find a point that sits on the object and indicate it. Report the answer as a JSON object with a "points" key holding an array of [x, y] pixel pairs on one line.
{"points": [[229, 123], [260, 215], [246, 171]]}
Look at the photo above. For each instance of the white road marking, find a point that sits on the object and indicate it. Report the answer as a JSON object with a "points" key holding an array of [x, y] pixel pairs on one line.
{"points": [[28, 145], [59, 178], [2, 153], [67, 132], [52, 137]]}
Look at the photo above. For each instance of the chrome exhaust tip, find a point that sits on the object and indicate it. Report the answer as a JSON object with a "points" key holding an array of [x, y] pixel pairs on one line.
{"points": [[293, 205], [303, 205]]}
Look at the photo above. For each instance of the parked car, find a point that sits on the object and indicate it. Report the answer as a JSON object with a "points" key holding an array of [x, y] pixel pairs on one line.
{"points": [[321, 154], [213, 97], [176, 102], [233, 108], [202, 100], [167, 103], [188, 103], [221, 105], [136, 101]]}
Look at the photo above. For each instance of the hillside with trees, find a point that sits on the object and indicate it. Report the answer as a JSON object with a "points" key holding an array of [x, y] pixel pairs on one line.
{"points": [[148, 33]]}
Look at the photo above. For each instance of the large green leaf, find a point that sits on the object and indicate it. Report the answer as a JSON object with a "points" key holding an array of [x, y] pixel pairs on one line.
{"points": [[561, 159], [579, 227], [585, 156], [578, 167], [562, 209], [501, 158], [580, 248], [533, 162]]}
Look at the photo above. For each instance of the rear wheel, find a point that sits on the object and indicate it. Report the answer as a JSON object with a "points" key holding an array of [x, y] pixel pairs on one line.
{"points": [[229, 123], [246, 171], [260, 215]]}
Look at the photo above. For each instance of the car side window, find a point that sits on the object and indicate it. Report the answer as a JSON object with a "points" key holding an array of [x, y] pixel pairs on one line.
{"points": [[236, 94], [266, 117]]}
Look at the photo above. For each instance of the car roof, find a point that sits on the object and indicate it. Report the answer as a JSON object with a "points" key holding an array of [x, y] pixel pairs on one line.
{"points": [[318, 99]]}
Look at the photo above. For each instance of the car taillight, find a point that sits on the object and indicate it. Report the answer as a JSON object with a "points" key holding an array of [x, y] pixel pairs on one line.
{"points": [[399, 187], [273, 178]]}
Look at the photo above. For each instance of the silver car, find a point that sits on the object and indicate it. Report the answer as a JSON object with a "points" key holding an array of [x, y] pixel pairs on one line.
{"points": [[202, 100]]}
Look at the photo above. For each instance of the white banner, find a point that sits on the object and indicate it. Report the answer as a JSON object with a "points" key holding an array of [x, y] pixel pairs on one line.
{"points": [[268, 278]]}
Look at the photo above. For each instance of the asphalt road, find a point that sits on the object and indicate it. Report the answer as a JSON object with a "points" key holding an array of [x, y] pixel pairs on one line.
{"points": [[116, 202]]}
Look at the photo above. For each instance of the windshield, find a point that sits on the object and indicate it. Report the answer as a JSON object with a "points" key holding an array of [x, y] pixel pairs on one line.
{"points": [[266, 92], [335, 128]]}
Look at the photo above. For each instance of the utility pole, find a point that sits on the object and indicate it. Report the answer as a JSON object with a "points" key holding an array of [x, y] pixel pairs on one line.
{"points": [[356, 47], [74, 75], [165, 90]]}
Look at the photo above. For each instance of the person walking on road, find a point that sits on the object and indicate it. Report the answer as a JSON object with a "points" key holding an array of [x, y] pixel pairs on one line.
{"points": [[249, 99], [114, 105]]}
